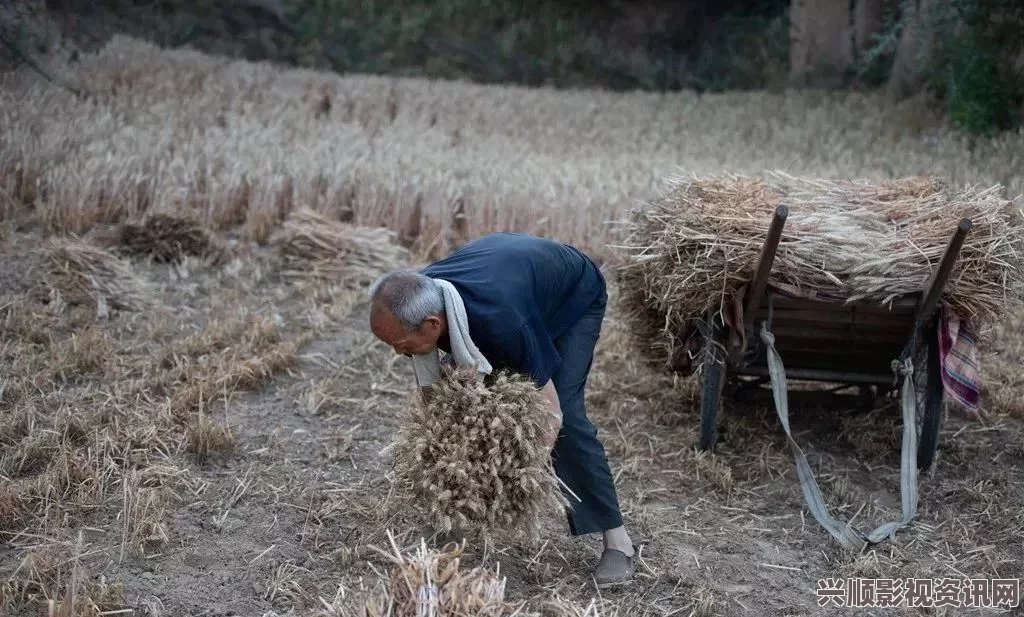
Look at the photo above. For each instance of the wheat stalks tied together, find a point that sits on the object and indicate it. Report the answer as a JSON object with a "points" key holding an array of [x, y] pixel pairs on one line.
{"points": [[431, 583], [315, 247], [168, 238], [477, 455], [692, 250], [80, 273]]}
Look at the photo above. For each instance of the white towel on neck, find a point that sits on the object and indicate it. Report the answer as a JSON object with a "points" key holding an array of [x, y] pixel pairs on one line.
{"points": [[427, 367]]}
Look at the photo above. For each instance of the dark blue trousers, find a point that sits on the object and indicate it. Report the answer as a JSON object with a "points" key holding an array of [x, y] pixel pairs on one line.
{"points": [[579, 458]]}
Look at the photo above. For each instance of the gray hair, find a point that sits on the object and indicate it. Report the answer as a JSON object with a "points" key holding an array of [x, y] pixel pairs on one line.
{"points": [[409, 295]]}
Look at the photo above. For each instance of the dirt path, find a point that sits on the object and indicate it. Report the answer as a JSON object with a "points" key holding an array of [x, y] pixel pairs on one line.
{"points": [[267, 525]]}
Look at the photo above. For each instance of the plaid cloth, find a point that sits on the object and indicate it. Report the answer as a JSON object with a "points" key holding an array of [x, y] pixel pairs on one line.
{"points": [[961, 370]]}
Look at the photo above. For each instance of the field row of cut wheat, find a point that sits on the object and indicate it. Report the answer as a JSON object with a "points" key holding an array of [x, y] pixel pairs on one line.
{"points": [[241, 144]]}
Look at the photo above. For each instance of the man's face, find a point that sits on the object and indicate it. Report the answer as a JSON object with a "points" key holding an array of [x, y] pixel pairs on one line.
{"points": [[387, 328]]}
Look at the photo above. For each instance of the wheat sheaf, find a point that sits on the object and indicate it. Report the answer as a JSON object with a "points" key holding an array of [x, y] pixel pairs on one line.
{"points": [[477, 455]]}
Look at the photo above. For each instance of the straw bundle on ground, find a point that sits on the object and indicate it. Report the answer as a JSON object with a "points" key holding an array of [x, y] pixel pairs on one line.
{"points": [[168, 238], [693, 249], [478, 455], [80, 273], [316, 247], [432, 583]]}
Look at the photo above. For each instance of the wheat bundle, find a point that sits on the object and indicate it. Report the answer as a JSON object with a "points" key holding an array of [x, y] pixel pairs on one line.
{"points": [[318, 248], [690, 251], [478, 455], [431, 582], [80, 273], [168, 238]]}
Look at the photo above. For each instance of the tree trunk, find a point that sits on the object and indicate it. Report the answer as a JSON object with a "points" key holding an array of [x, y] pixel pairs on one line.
{"points": [[868, 20], [915, 48], [821, 42]]}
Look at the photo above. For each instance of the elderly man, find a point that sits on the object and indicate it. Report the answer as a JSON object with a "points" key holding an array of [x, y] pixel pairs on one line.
{"points": [[533, 306]]}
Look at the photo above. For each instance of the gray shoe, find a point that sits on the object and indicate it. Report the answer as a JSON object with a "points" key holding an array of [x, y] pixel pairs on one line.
{"points": [[614, 568]]}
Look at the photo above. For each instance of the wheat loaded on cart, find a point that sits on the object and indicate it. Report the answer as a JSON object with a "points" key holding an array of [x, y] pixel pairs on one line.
{"points": [[886, 287]]}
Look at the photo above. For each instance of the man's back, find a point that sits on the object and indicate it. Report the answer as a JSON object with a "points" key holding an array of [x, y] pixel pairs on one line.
{"points": [[520, 290]]}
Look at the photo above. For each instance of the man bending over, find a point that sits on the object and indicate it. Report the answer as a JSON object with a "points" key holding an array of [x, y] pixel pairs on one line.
{"points": [[533, 306]]}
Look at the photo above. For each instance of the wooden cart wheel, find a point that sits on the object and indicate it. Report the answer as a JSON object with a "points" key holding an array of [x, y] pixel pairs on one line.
{"points": [[712, 382], [928, 382]]}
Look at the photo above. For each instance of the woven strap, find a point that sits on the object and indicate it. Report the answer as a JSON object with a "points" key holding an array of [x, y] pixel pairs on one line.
{"points": [[846, 534]]}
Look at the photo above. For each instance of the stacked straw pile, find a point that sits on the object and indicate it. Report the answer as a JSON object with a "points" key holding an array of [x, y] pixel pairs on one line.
{"points": [[82, 274], [476, 455], [688, 253], [430, 582], [167, 238], [315, 247]]}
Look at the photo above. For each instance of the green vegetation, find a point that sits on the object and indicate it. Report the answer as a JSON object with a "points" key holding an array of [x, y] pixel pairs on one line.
{"points": [[974, 71], [614, 45], [971, 61], [972, 68]]}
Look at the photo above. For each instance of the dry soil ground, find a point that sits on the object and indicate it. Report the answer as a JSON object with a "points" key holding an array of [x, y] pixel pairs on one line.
{"points": [[282, 512], [205, 439]]}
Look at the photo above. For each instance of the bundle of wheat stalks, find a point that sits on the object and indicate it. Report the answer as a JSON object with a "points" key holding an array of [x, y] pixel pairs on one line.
{"points": [[168, 238], [432, 583], [80, 273], [315, 247], [476, 455], [690, 251]]}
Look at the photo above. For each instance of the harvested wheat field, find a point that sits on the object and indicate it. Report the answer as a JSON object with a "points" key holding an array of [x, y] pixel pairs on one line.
{"points": [[193, 412]]}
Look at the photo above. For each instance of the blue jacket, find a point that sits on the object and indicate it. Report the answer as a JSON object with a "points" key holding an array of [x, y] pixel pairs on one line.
{"points": [[521, 293]]}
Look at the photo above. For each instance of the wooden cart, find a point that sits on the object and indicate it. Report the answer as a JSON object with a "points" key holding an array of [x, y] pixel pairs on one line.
{"points": [[851, 344]]}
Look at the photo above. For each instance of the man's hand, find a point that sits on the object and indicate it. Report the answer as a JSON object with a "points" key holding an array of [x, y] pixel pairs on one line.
{"points": [[552, 396]]}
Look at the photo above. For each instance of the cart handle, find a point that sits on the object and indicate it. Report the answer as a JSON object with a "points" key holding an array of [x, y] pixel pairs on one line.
{"points": [[939, 278], [936, 283], [764, 264]]}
